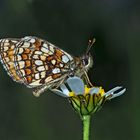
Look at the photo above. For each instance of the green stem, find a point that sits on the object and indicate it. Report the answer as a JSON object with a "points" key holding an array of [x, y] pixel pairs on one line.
{"points": [[86, 126]]}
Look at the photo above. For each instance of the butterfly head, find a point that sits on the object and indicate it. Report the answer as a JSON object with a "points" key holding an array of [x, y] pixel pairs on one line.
{"points": [[87, 60]]}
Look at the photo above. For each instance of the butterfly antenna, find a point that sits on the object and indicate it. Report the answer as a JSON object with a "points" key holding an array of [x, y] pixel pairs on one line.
{"points": [[90, 44]]}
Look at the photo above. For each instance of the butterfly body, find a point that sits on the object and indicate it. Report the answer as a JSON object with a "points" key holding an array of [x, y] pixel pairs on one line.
{"points": [[38, 64]]}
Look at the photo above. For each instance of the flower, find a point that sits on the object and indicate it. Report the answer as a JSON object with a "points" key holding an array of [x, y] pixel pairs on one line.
{"points": [[86, 100]]}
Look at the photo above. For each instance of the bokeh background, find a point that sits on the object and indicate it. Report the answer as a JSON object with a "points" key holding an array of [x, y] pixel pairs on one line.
{"points": [[69, 24]]}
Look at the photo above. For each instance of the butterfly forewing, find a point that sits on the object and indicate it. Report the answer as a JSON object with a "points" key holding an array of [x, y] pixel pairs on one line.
{"points": [[34, 61]]}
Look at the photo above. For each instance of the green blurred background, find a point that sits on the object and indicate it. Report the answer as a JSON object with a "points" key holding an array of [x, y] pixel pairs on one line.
{"points": [[69, 24]]}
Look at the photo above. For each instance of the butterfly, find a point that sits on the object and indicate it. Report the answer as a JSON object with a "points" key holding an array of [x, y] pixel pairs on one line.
{"points": [[41, 65]]}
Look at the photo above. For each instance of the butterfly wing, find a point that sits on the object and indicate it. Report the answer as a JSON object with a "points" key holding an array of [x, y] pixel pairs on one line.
{"points": [[34, 61], [7, 53]]}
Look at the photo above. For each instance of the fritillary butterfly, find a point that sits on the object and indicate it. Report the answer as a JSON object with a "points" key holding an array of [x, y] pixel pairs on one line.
{"points": [[39, 64]]}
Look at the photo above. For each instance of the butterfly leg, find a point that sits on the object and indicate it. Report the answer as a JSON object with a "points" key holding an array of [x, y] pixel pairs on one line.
{"points": [[58, 84], [39, 90], [87, 79]]}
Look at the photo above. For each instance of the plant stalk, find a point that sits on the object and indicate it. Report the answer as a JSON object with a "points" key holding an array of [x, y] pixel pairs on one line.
{"points": [[86, 126]]}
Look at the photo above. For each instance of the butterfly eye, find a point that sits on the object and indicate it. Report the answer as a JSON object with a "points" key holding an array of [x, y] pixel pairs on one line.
{"points": [[85, 61]]}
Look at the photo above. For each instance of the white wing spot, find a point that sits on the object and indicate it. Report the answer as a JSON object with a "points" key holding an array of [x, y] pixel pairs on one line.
{"points": [[21, 64], [6, 44], [6, 40], [35, 57], [38, 62], [37, 76], [12, 47], [44, 50], [19, 58], [41, 68], [46, 67], [4, 54], [53, 61], [45, 45], [23, 72], [50, 53], [56, 70], [32, 40], [38, 52], [7, 59], [6, 48], [43, 74], [61, 65], [51, 49], [48, 79], [43, 58], [65, 59], [14, 41], [26, 45], [36, 83], [20, 50]]}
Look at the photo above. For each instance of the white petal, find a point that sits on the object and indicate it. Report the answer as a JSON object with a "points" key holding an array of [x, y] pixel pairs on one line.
{"points": [[94, 90], [64, 92], [114, 93], [76, 85]]}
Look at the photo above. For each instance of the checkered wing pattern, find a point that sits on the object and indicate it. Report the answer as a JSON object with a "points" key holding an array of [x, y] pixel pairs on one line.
{"points": [[34, 61]]}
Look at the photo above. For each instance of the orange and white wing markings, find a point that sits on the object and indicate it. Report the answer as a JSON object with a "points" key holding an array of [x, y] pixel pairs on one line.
{"points": [[34, 61], [7, 56]]}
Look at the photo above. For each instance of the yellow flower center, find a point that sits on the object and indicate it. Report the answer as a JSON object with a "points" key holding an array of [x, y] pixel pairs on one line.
{"points": [[87, 91], [71, 94], [101, 91]]}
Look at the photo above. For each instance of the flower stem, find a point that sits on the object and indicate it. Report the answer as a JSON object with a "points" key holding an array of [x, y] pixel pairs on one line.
{"points": [[86, 126]]}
